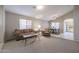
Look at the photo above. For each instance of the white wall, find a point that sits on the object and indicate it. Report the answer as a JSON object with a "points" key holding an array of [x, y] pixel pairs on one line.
{"points": [[44, 24], [76, 22], [2, 24], [36, 23]]}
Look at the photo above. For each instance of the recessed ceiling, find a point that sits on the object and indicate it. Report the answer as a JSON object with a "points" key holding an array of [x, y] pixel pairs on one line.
{"points": [[47, 13]]}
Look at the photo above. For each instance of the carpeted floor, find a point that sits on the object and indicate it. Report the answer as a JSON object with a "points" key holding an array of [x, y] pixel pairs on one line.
{"points": [[44, 45]]}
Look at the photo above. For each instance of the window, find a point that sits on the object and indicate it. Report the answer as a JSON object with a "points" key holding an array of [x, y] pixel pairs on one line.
{"points": [[25, 24], [55, 25]]}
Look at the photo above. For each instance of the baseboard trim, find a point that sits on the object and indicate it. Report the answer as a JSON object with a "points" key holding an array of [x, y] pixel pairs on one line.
{"points": [[1, 46], [9, 40]]}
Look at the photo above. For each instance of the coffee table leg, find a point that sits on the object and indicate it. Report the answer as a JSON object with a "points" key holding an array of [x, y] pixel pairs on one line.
{"points": [[25, 42], [38, 37]]}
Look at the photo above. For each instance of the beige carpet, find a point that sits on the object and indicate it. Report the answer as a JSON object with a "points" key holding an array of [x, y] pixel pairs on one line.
{"points": [[44, 45], [1, 46]]}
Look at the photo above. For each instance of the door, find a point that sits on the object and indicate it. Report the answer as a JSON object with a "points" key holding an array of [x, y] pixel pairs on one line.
{"points": [[68, 25]]}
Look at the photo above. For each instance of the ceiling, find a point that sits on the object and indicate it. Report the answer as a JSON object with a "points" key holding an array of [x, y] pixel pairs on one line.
{"points": [[49, 12]]}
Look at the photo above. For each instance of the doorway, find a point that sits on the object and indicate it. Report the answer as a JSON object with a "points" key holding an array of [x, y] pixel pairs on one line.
{"points": [[69, 28]]}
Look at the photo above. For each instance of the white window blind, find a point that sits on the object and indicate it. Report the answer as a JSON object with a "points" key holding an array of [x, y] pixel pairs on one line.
{"points": [[25, 24]]}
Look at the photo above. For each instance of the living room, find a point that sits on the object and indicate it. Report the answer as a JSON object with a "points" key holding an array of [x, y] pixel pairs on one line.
{"points": [[13, 18], [44, 22]]}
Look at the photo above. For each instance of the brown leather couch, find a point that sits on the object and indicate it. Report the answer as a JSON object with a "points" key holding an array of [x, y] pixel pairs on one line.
{"points": [[19, 33], [46, 32]]}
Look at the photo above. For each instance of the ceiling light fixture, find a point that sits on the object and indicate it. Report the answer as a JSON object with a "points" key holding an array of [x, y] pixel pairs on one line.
{"points": [[39, 7]]}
